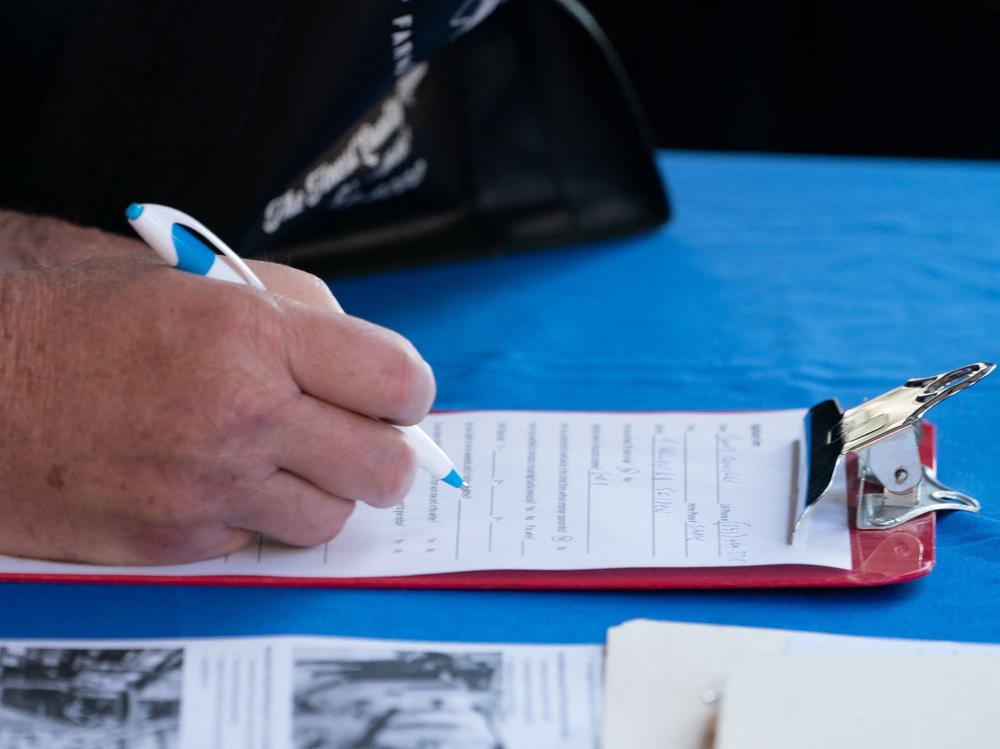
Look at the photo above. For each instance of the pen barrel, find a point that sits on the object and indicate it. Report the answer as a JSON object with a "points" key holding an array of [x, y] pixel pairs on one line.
{"points": [[174, 236], [430, 457], [223, 271]]}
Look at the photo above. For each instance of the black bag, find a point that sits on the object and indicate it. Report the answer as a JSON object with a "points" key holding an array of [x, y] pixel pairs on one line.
{"points": [[522, 132]]}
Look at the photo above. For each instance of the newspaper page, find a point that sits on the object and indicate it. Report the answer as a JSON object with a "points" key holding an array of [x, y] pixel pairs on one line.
{"points": [[301, 692]]}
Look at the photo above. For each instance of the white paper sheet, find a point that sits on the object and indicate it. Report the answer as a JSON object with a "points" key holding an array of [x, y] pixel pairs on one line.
{"points": [[658, 674], [571, 490], [861, 701], [278, 692]]}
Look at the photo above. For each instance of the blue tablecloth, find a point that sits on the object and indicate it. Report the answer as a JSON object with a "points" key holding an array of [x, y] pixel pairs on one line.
{"points": [[781, 281]]}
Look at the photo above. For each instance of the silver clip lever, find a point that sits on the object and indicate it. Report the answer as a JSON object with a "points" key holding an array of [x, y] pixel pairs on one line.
{"points": [[885, 434]]}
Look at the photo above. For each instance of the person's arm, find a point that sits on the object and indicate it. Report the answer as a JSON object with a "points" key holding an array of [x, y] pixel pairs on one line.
{"points": [[153, 417]]}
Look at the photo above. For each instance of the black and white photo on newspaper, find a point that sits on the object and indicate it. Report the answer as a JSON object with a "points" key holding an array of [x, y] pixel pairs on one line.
{"points": [[299, 693]]}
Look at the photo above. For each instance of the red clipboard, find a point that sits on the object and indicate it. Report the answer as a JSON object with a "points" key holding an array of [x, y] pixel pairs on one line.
{"points": [[878, 558]]}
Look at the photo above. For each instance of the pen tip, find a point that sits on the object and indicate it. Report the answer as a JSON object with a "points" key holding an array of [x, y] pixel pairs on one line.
{"points": [[133, 211], [453, 479], [465, 486]]}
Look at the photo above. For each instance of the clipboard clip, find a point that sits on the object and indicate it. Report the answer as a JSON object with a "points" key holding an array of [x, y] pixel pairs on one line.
{"points": [[885, 434]]}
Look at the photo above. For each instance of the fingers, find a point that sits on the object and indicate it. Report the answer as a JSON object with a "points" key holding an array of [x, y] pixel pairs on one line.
{"points": [[347, 361], [357, 365], [346, 454], [295, 284], [290, 509]]}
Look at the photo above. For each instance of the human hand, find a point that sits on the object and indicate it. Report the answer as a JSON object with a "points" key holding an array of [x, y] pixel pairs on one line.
{"points": [[154, 417], [30, 242]]}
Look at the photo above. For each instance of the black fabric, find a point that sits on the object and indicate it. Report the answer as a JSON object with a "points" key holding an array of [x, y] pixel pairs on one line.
{"points": [[521, 132], [27, 63]]}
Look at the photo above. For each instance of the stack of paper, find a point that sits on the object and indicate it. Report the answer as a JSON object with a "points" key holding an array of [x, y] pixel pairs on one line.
{"points": [[693, 686], [915, 701]]}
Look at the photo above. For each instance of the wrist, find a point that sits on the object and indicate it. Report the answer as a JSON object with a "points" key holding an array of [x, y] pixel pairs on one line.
{"points": [[28, 242], [18, 234]]}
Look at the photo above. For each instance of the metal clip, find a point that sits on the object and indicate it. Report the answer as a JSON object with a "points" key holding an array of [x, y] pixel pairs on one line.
{"points": [[885, 435]]}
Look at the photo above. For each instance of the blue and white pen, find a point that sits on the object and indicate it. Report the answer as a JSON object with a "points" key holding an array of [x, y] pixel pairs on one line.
{"points": [[174, 237]]}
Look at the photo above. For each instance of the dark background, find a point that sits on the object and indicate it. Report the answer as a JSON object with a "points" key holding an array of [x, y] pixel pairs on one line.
{"points": [[880, 77]]}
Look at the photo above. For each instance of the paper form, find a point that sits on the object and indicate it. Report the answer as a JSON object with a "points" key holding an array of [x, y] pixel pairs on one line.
{"points": [[571, 490], [301, 692]]}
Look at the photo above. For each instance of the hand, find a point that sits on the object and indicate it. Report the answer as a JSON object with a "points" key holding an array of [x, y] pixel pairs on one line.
{"points": [[29, 242], [148, 416]]}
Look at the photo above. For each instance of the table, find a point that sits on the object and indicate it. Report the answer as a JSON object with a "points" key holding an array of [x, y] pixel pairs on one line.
{"points": [[782, 281]]}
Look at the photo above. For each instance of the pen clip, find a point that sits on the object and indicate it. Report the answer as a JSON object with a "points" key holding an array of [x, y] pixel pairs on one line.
{"points": [[238, 263], [192, 224]]}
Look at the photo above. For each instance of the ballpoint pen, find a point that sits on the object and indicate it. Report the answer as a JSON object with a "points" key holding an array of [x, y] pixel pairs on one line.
{"points": [[174, 236]]}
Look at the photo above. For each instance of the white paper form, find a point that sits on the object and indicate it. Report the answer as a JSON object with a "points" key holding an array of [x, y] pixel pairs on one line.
{"points": [[572, 490], [278, 692]]}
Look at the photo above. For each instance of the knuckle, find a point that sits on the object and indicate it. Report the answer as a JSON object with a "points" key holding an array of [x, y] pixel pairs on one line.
{"points": [[224, 386], [329, 527], [186, 520], [168, 525], [224, 312], [233, 539], [165, 545], [409, 383], [161, 546], [241, 410], [295, 284], [395, 473], [188, 506], [313, 284], [230, 401], [235, 317]]}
